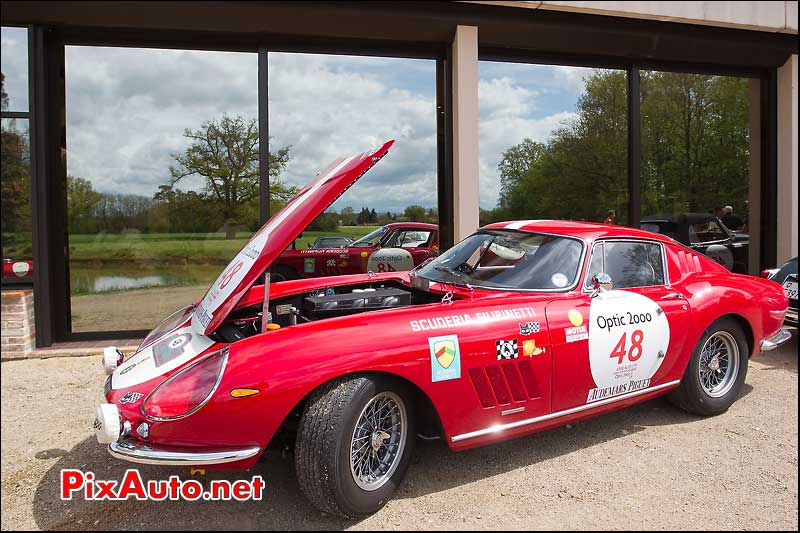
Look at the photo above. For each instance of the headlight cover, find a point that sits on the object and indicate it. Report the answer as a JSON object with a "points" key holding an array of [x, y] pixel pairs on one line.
{"points": [[185, 392]]}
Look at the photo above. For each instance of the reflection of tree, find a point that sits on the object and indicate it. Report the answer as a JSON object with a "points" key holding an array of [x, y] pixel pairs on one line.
{"points": [[695, 144], [225, 153], [643, 265], [15, 186]]}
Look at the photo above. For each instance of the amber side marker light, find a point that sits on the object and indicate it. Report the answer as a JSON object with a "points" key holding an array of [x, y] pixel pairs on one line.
{"points": [[244, 393]]}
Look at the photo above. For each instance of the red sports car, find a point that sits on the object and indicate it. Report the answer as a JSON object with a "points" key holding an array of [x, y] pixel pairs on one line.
{"points": [[390, 248], [17, 271], [520, 327]]}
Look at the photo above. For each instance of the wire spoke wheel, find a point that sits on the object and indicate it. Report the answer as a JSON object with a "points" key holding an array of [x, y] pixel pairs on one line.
{"points": [[718, 364], [378, 440]]}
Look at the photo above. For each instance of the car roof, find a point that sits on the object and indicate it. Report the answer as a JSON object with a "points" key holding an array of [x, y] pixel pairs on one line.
{"points": [[412, 225], [584, 230]]}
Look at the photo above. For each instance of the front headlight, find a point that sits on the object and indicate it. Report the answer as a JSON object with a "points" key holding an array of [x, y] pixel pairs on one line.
{"points": [[183, 393]]}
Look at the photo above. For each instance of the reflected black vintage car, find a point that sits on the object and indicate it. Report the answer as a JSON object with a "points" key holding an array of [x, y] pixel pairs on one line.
{"points": [[704, 233], [786, 275]]}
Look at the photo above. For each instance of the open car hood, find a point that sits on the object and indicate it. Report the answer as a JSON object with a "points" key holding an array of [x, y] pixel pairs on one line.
{"points": [[279, 231]]}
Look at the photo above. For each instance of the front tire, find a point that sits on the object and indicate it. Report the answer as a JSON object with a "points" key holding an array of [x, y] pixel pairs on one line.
{"points": [[354, 444], [716, 372]]}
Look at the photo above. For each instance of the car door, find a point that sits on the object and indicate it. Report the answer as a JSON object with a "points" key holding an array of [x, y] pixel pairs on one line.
{"points": [[611, 343]]}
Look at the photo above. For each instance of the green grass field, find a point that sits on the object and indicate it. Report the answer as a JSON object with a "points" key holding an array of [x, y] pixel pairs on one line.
{"points": [[178, 247]]}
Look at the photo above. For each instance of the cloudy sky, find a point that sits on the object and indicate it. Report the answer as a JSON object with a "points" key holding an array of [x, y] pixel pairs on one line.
{"points": [[127, 110]]}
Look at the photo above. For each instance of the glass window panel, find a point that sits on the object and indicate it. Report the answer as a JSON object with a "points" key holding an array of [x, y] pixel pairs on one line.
{"points": [[695, 162], [15, 210], [553, 142], [633, 264], [322, 107], [14, 43], [149, 229]]}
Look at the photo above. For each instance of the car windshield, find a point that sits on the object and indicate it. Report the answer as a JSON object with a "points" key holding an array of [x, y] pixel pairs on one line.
{"points": [[501, 259], [371, 239]]}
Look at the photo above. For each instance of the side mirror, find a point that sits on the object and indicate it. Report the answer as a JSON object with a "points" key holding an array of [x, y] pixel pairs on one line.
{"points": [[601, 282], [309, 245]]}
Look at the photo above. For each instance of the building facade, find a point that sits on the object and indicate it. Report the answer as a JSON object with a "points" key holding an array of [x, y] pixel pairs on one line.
{"points": [[678, 106]]}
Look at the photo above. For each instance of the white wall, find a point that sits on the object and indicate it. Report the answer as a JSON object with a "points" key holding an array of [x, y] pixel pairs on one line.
{"points": [[775, 16], [787, 160]]}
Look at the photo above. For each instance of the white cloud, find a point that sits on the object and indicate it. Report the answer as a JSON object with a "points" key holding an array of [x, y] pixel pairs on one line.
{"points": [[127, 110], [325, 108], [14, 47], [504, 122]]}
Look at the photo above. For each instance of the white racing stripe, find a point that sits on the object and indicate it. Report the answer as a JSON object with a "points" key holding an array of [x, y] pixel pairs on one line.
{"points": [[520, 223]]}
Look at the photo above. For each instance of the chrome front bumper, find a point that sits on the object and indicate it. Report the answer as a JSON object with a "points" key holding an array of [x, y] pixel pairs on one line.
{"points": [[778, 339], [140, 452]]}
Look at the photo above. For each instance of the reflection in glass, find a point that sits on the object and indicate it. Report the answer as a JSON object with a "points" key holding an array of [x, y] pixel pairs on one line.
{"points": [[15, 210], [15, 68], [330, 106], [695, 162], [162, 178], [553, 142]]}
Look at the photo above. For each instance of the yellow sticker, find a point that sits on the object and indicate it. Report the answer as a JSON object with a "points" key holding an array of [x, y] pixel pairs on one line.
{"points": [[529, 348], [575, 317]]}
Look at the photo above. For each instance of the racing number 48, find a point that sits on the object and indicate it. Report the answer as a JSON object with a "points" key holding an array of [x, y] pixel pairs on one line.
{"points": [[634, 352]]}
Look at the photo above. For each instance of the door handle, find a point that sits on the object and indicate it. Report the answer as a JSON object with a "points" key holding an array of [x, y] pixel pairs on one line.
{"points": [[672, 296]]}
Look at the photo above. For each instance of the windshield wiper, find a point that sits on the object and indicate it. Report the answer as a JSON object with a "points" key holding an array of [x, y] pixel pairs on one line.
{"points": [[456, 273]]}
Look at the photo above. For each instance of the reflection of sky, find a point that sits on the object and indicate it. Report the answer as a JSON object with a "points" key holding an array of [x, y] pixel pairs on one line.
{"points": [[14, 53], [127, 110]]}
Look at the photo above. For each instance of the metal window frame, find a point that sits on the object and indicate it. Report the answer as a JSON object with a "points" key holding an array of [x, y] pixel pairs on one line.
{"points": [[52, 303], [46, 105], [633, 68]]}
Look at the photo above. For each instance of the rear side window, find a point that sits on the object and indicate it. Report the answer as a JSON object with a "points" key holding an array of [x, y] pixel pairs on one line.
{"points": [[630, 264]]}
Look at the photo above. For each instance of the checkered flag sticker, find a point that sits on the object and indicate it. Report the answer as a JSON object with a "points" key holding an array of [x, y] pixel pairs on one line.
{"points": [[529, 328], [507, 349], [131, 397]]}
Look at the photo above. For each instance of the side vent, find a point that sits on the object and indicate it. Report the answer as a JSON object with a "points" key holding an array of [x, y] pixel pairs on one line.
{"points": [[504, 384], [498, 385], [482, 387]]}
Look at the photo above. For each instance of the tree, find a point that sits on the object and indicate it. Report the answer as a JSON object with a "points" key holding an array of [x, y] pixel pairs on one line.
{"points": [[515, 164], [15, 185], [414, 213], [695, 151], [225, 153], [81, 202]]}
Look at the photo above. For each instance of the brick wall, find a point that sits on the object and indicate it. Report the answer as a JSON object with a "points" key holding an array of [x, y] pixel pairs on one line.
{"points": [[16, 317]]}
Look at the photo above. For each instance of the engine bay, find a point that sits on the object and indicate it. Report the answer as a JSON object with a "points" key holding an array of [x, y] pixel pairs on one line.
{"points": [[320, 304]]}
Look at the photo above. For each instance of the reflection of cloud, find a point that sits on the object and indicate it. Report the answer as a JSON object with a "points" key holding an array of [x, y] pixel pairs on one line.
{"points": [[327, 106], [127, 109], [505, 121], [14, 46]]}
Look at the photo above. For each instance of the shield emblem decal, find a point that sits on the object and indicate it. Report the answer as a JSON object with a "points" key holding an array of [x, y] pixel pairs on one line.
{"points": [[445, 352], [445, 358]]}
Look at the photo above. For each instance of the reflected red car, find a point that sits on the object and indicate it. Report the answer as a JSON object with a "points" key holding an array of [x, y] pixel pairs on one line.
{"points": [[17, 272], [520, 327], [391, 248]]}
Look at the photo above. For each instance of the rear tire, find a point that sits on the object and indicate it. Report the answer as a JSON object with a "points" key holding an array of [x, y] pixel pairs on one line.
{"points": [[716, 372], [354, 444]]}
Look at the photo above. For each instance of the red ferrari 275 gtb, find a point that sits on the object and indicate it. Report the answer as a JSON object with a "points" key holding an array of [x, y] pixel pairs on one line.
{"points": [[520, 327]]}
